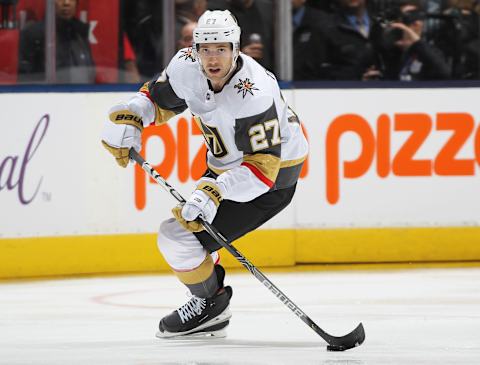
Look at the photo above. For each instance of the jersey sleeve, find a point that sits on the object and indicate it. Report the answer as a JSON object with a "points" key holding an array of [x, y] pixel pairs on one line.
{"points": [[166, 91], [166, 102], [258, 137]]}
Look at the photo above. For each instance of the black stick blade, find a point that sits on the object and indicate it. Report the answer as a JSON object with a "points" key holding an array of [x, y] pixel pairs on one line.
{"points": [[353, 339]]}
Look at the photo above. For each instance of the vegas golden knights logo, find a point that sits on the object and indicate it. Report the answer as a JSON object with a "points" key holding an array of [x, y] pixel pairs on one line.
{"points": [[213, 139], [245, 86], [187, 54]]}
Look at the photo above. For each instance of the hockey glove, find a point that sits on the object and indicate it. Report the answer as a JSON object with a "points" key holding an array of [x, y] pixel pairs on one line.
{"points": [[193, 226], [124, 128], [202, 203]]}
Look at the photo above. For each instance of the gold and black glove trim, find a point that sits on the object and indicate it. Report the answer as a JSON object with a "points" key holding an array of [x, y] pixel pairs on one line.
{"points": [[127, 117], [212, 190], [192, 226], [120, 154]]}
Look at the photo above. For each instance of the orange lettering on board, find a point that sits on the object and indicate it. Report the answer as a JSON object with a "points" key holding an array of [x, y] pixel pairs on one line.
{"points": [[352, 169], [199, 164], [183, 150], [477, 145], [383, 145], [403, 163], [164, 168], [462, 126]]}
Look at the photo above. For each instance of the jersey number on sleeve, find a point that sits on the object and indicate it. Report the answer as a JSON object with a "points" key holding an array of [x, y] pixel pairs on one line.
{"points": [[258, 135]]}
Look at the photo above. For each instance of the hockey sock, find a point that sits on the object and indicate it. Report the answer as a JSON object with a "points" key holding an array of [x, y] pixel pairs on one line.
{"points": [[202, 281]]}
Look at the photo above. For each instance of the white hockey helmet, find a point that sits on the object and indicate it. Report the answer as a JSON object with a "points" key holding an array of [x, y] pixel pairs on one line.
{"points": [[217, 26]]}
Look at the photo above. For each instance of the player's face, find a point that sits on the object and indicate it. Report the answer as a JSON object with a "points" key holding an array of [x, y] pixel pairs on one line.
{"points": [[216, 59]]}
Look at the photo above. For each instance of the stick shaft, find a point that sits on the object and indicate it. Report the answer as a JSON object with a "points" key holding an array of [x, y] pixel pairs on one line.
{"points": [[222, 241]]}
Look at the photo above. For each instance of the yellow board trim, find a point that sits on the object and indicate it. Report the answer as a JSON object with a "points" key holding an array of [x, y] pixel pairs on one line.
{"points": [[59, 256], [52, 256], [370, 245], [73, 255]]}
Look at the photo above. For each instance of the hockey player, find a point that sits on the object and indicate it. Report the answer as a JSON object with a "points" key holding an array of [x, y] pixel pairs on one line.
{"points": [[256, 149]]}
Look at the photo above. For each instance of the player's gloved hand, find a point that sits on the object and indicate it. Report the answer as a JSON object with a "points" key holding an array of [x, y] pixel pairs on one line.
{"points": [[121, 132], [193, 226], [203, 203]]}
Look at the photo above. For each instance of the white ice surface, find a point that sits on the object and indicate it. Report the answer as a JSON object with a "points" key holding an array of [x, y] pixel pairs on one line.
{"points": [[429, 316]]}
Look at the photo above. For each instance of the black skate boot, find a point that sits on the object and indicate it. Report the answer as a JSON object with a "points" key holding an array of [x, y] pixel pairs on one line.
{"points": [[200, 317]]}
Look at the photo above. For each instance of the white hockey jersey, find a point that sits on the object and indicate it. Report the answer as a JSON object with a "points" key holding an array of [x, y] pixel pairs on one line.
{"points": [[255, 141]]}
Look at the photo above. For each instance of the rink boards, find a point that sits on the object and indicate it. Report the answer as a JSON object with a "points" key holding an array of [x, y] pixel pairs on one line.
{"points": [[392, 176]]}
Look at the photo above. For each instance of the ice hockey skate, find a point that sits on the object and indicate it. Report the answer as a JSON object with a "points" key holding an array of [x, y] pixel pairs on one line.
{"points": [[199, 317]]}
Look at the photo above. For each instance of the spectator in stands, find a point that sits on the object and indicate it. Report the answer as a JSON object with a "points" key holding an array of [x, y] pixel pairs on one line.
{"points": [[256, 17], [459, 38], [323, 5], [128, 69], [186, 35], [407, 57], [143, 24], [187, 11], [350, 43], [308, 41], [74, 62], [432, 25]]}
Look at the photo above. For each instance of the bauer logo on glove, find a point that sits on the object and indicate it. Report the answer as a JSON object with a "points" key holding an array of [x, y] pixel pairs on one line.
{"points": [[212, 191], [203, 203], [122, 131], [126, 117]]}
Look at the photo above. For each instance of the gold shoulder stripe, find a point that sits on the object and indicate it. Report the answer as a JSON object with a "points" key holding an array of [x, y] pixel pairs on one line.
{"points": [[269, 165], [290, 163], [283, 164], [162, 115]]}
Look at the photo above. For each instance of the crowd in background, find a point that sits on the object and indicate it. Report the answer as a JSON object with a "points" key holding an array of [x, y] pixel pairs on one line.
{"points": [[404, 40], [350, 39]]}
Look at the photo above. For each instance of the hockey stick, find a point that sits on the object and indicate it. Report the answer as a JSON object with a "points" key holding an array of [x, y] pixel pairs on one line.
{"points": [[342, 343]]}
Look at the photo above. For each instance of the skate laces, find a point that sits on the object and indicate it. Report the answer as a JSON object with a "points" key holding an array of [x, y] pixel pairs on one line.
{"points": [[192, 308]]}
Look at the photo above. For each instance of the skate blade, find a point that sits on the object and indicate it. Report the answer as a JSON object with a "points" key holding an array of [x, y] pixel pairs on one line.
{"points": [[198, 335], [197, 331]]}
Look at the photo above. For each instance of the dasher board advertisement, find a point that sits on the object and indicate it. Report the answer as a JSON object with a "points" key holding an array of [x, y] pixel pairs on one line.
{"points": [[378, 158]]}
